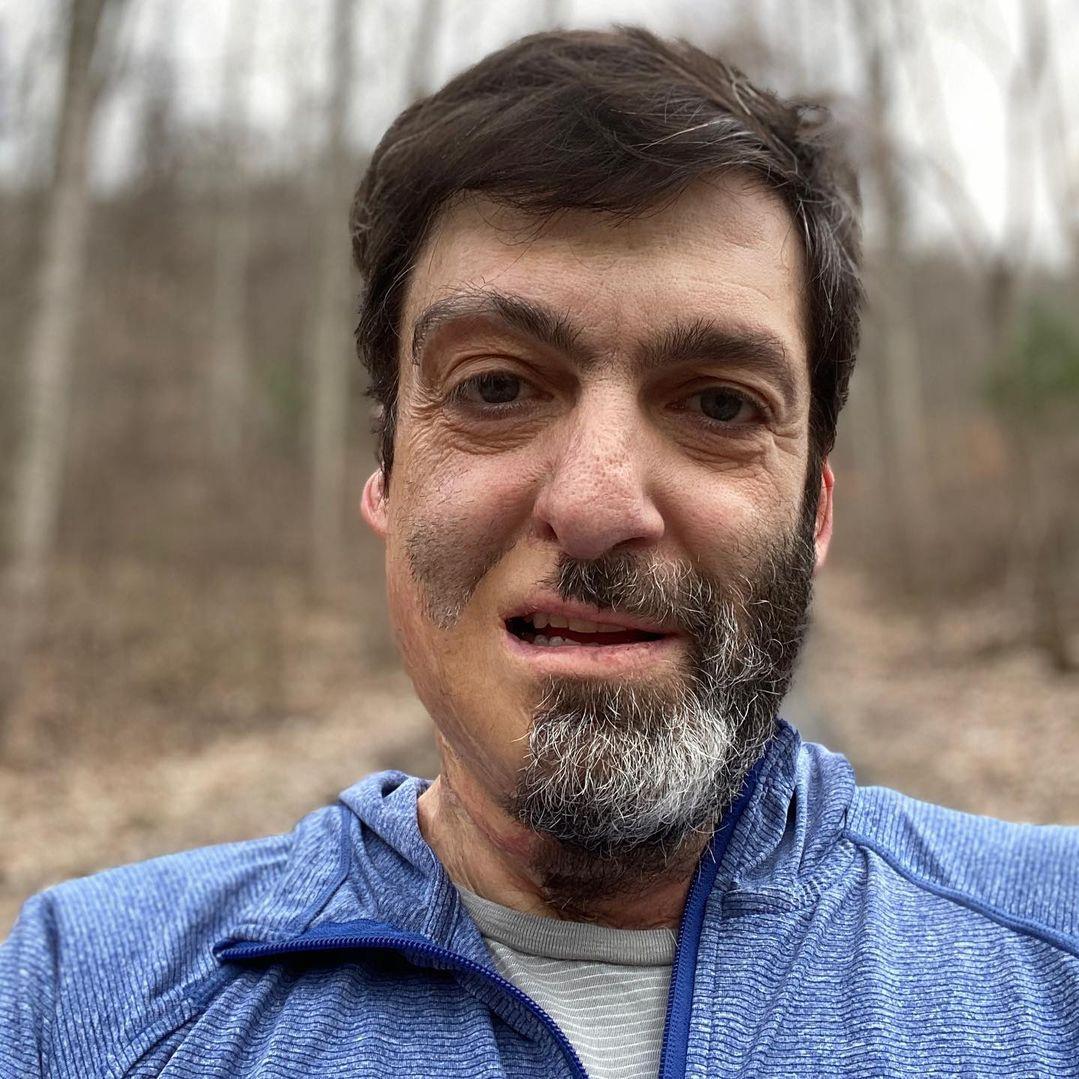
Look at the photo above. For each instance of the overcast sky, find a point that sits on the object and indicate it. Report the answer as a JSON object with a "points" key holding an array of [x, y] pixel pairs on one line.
{"points": [[972, 44]]}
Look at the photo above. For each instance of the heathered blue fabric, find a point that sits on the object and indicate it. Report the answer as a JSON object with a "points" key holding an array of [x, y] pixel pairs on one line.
{"points": [[849, 932]]}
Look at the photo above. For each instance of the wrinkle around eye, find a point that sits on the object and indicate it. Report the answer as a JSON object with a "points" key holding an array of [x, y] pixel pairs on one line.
{"points": [[463, 432], [471, 442]]}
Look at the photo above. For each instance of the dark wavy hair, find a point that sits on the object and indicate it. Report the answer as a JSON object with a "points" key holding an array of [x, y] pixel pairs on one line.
{"points": [[616, 122]]}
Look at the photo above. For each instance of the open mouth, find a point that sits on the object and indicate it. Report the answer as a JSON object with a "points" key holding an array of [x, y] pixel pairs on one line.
{"points": [[554, 632]]}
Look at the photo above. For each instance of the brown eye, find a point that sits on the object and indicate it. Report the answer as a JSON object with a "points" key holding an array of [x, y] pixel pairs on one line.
{"points": [[494, 393], [723, 405], [496, 388]]}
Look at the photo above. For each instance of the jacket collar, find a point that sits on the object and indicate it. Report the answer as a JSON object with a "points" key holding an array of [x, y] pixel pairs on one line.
{"points": [[366, 860]]}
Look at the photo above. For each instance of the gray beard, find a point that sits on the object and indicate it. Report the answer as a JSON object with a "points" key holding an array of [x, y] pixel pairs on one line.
{"points": [[630, 779]]}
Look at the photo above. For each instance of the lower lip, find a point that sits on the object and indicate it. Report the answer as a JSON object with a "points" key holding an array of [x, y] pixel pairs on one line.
{"points": [[598, 658]]}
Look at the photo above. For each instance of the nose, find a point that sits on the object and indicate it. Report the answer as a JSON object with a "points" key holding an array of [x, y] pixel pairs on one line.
{"points": [[596, 497]]}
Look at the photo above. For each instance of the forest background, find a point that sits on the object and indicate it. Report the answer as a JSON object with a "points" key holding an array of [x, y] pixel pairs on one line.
{"points": [[193, 642]]}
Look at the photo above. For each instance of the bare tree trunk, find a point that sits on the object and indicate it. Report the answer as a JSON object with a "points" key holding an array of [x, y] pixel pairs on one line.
{"points": [[908, 487], [1044, 555], [1061, 147], [424, 42], [799, 19], [554, 14], [1060, 141], [227, 372], [330, 348], [51, 340]]}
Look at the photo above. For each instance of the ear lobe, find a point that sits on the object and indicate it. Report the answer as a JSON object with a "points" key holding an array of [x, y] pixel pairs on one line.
{"points": [[373, 507], [822, 536]]}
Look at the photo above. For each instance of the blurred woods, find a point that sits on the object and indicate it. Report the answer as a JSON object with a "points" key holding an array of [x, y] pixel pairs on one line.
{"points": [[185, 436]]}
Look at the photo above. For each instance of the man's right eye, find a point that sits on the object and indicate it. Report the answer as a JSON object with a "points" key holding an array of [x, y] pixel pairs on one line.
{"points": [[493, 388]]}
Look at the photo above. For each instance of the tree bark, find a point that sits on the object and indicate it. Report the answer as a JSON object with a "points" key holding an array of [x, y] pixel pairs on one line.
{"points": [[424, 43], [908, 486], [39, 471], [330, 347], [228, 374]]}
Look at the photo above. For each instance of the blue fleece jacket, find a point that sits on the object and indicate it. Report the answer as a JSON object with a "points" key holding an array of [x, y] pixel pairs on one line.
{"points": [[831, 930]]}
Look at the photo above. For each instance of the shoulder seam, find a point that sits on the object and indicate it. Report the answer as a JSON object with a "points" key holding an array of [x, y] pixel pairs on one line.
{"points": [[1020, 925]]}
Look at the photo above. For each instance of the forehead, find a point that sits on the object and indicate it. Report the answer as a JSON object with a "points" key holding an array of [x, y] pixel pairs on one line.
{"points": [[725, 250]]}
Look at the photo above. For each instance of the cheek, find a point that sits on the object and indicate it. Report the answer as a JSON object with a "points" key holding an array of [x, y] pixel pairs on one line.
{"points": [[725, 522], [457, 528], [447, 554], [452, 523], [406, 621], [447, 540]]}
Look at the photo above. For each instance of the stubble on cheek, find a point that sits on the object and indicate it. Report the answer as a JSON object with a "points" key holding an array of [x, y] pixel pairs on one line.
{"points": [[448, 554]]}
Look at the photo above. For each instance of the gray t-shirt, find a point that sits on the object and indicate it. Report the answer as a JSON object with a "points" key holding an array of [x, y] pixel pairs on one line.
{"points": [[606, 988]]}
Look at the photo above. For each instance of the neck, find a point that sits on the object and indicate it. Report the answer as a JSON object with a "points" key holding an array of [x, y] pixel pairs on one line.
{"points": [[486, 851]]}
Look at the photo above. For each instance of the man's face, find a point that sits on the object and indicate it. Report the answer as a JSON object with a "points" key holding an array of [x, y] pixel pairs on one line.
{"points": [[600, 422]]}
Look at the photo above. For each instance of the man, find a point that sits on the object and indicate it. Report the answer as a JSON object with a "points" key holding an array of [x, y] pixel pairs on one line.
{"points": [[610, 312]]}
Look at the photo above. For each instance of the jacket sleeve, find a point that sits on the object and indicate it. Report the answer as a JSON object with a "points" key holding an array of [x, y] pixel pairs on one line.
{"points": [[27, 992]]}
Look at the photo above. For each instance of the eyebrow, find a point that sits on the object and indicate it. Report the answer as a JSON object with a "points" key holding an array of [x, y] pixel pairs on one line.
{"points": [[699, 339], [529, 318], [704, 339]]}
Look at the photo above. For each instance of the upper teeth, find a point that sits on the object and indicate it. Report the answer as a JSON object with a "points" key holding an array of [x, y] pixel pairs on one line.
{"points": [[556, 621]]}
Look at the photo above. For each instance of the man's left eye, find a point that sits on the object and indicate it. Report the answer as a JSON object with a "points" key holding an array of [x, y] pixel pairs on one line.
{"points": [[723, 405], [491, 388]]}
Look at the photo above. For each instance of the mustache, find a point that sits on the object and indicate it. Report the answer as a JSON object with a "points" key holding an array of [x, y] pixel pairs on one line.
{"points": [[663, 592], [767, 606]]}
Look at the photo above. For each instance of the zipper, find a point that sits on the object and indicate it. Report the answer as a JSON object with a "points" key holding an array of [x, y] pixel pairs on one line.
{"points": [[683, 972], [672, 1060], [422, 946]]}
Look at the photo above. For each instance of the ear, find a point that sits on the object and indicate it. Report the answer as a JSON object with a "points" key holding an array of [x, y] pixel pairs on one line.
{"points": [[373, 506], [822, 533]]}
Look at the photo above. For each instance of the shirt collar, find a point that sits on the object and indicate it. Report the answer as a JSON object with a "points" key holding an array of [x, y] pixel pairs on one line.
{"points": [[369, 860]]}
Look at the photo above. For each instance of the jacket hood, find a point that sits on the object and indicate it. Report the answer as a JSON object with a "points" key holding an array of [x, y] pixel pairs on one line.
{"points": [[365, 859]]}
